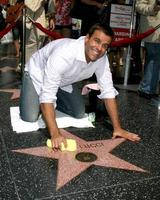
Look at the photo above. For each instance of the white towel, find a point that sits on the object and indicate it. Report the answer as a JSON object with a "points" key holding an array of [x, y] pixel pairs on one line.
{"points": [[63, 121]]}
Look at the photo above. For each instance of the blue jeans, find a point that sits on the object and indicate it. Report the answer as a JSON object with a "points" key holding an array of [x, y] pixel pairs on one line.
{"points": [[150, 80], [69, 103]]}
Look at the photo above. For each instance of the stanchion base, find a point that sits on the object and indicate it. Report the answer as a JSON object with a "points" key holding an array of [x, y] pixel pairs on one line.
{"points": [[156, 102]]}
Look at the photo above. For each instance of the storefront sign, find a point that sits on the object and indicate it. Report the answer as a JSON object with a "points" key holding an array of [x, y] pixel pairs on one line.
{"points": [[120, 20]]}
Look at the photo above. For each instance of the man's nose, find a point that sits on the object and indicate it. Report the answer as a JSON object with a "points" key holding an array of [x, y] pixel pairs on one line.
{"points": [[99, 47]]}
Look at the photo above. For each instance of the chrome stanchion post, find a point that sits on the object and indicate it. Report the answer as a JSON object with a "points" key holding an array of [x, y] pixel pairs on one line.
{"points": [[23, 59], [129, 50]]}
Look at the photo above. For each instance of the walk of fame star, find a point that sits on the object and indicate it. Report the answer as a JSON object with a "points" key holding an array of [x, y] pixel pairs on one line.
{"points": [[70, 167], [15, 93], [7, 68]]}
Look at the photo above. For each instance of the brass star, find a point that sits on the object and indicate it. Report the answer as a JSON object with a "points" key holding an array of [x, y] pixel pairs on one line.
{"points": [[69, 167]]}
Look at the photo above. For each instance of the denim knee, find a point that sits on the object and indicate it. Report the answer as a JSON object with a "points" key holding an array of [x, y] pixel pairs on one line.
{"points": [[28, 117], [79, 114]]}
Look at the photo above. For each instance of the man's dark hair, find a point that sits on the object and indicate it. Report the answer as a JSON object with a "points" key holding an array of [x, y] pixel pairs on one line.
{"points": [[102, 27]]}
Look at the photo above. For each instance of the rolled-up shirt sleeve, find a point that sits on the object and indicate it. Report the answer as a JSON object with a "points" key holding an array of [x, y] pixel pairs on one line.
{"points": [[104, 79]]}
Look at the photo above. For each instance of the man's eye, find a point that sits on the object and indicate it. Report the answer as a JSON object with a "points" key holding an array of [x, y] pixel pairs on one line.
{"points": [[105, 46], [97, 41]]}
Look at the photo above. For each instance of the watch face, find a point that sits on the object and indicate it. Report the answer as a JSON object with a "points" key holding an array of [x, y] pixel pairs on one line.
{"points": [[86, 157]]}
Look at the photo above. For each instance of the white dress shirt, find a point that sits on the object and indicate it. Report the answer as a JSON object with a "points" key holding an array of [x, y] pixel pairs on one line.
{"points": [[61, 63]]}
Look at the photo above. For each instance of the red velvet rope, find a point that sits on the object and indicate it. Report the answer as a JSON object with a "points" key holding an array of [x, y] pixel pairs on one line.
{"points": [[55, 35], [52, 34], [120, 43], [7, 29], [126, 41]]}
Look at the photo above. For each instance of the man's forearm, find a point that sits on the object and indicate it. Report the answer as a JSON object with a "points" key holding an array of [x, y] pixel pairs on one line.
{"points": [[112, 109], [49, 115]]}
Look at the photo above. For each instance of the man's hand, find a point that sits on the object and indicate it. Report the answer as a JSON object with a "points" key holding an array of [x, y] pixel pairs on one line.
{"points": [[49, 115], [111, 106], [51, 24], [57, 140], [126, 134]]}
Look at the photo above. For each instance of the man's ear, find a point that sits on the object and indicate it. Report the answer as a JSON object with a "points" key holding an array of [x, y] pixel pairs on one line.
{"points": [[86, 37]]}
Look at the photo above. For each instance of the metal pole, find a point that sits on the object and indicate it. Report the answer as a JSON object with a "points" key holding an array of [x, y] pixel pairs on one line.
{"points": [[23, 41], [129, 50]]}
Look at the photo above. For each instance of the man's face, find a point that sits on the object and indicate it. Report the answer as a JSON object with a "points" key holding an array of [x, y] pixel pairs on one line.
{"points": [[96, 45]]}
